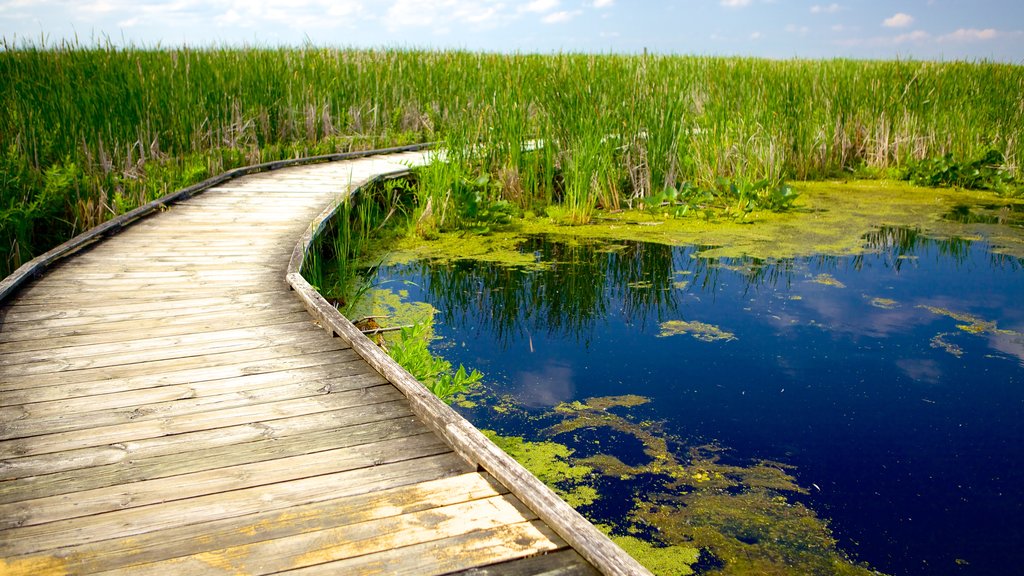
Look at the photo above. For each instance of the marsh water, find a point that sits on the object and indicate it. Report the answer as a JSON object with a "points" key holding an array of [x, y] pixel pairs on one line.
{"points": [[888, 386]]}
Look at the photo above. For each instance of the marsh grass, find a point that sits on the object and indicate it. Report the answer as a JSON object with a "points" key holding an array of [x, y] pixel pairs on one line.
{"points": [[89, 132]]}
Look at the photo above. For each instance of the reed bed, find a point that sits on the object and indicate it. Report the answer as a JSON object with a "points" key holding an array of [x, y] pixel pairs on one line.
{"points": [[87, 133]]}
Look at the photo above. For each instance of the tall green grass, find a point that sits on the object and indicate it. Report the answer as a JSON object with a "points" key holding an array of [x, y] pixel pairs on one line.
{"points": [[90, 132]]}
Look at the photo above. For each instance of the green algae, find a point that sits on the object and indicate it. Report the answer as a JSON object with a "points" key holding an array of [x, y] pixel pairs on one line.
{"points": [[602, 403], [830, 218], [884, 303], [551, 463], [739, 515], [396, 307], [940, 342], [828, 280], [659, 559], [699, 330], [754, 532], [971, 324]]}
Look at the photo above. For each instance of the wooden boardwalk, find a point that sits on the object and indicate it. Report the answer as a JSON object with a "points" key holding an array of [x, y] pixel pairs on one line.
{"points": [[169, 406]]}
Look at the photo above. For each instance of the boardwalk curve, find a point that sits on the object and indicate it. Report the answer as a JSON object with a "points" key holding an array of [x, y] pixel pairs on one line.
{"points": [[169, 406]]}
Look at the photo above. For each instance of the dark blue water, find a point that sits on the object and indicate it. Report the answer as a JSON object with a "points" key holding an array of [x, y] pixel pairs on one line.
{"points": [[907, 429]]}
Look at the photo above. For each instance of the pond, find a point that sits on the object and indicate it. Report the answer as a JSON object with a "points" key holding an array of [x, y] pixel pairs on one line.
{"points": [[817, 414]]}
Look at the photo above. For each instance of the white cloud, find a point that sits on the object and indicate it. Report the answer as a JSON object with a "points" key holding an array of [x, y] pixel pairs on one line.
{"points": [[603, 3], [299, 15], [898, 20], [541, 6], [970, 35], [756, 36], [561, 16], [830, 9], [735, 3], [794, 29], [439, 14], [915, 36]]}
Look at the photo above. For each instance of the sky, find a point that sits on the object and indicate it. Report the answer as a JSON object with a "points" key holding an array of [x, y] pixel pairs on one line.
{"points": [[875, 29]]}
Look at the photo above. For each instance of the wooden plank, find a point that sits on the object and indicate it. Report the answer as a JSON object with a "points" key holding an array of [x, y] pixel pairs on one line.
{"points": [[130, 354], [353, 540], [213, 507], [104, 330], [142, 336], [23, 310], [120, 433], [206, 366], [147, 401], [279, 329], [232, 478], [562, 563], [260, 527], [460, 552], [184, 376], [29, 420], [112, 394], [350, 431], [96, 295], [123, 453]]}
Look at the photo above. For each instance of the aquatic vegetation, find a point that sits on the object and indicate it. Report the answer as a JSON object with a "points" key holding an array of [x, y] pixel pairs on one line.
{"points": [[659, 559], [699, 330], [551, 463], [753, 532], [971, 324], [987, 172], [941, 342], [696, 508], [884, 303], [411, 351], [828, 280], [661, 122], [665, 482]]}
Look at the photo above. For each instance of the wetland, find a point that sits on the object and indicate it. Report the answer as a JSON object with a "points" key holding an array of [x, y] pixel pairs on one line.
{"points": [[830, 391]]}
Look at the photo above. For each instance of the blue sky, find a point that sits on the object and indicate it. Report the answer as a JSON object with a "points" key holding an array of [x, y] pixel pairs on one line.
{"points": [[920, 29]]}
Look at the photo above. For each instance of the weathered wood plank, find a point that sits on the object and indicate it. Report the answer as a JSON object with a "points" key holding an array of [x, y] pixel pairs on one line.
{"points": [[194, 539], [195, 511], [30, 420], [120, 433], [355, 426], [352, 541], [476, 548], [562, 563], [325, 378], [103, 330], [159, 490], [284, 329], [25, 310], [155, 373], [131, 451], [324, 368], [121, 354]]}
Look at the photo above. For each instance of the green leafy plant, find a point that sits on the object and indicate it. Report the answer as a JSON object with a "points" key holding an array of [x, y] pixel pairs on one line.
{"points": [[411, 351], [738, 198], [988, 172]]}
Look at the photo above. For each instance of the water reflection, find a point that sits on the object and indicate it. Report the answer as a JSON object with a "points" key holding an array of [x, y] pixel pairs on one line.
{"points": [[575, 286], [891, 380]]}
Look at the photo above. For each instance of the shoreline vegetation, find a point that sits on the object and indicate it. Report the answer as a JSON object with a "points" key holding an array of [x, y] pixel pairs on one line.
{"points": [[88, 133]]}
